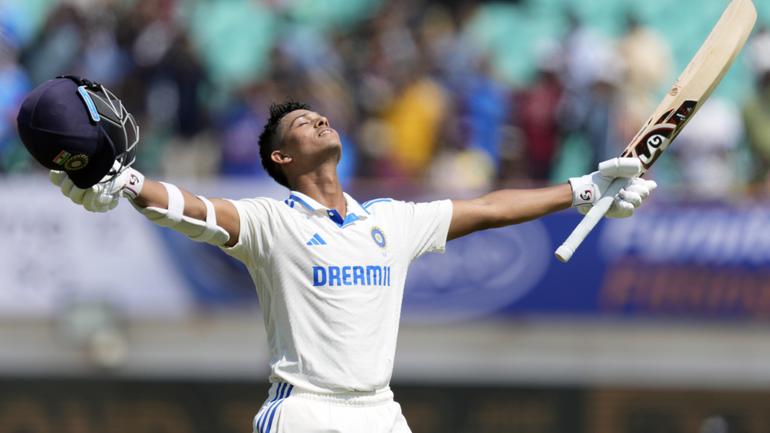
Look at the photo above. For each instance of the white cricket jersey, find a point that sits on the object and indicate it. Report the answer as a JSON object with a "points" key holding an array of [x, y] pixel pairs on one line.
{"points": [[330, 288]]}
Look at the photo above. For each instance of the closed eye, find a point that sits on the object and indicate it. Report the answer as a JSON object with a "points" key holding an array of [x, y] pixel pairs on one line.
{"points": [[298, 121]]}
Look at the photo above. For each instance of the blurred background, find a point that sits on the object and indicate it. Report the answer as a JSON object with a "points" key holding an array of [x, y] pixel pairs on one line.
{"points": [[658, 325]]}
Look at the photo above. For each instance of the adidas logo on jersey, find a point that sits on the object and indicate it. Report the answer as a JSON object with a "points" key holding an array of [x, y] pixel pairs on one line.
{"points": [[316, 240]]}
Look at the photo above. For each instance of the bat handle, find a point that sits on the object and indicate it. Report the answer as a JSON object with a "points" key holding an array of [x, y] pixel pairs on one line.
{"points": [[589, 221]]}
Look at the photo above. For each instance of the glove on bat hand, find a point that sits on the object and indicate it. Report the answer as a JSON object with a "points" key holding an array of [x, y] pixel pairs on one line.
{"points": [[586, 190], [103, 196]]}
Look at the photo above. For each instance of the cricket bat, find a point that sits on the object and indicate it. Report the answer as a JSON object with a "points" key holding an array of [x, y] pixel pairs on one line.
{"points": [[690, 91]]}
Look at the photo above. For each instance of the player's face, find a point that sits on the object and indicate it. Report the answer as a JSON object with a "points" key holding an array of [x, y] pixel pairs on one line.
{"points": [[308, 135]]}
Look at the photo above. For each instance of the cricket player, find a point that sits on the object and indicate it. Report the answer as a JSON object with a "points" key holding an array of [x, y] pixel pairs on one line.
{"points": [[330, 270]]}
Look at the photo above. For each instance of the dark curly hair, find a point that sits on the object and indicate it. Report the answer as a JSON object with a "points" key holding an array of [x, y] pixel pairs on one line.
{"points": [[269, 139]]}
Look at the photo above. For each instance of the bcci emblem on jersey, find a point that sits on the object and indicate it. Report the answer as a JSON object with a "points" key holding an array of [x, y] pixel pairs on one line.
{"points": [[378, 237]]}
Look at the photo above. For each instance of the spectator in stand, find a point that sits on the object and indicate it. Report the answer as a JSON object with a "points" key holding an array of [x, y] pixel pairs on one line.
{"points": [[102, 59], [14, 84], [647, 60], [414, 120], [176, 99], [57, 48], [705, 152], [239, 127], [592, 106], [419, 102], [536, 115], [756, 112], [167, 87], [487, 106]]}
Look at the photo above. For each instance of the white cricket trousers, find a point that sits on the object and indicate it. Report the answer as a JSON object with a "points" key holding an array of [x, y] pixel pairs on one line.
{"points": [[292, 410]]}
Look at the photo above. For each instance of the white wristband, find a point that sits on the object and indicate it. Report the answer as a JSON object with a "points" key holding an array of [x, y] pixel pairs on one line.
{"points": [[134, 183], [584, 190]]}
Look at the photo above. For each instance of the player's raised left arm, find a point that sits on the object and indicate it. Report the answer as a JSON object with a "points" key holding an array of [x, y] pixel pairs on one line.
{"points": [[506, 207], [514, 206]]}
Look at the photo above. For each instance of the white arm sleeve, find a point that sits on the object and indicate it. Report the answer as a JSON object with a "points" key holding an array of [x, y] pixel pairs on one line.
{"points": [[201, 231]]}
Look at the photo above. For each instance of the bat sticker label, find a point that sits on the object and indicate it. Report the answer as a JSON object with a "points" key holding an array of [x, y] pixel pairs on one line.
{"points": [[654, 143], [657, 139], [684, 113]]}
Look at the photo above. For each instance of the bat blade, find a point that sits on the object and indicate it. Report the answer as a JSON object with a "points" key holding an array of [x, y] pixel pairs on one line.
{"points": [[687, 95], [696, 83]]}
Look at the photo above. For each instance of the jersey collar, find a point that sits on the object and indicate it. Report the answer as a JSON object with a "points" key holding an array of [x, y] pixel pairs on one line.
{"points": [[354, 210]]}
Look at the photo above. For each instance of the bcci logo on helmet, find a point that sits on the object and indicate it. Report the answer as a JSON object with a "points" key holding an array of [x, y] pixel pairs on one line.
{"points": [[77, 162], [70, 162]]}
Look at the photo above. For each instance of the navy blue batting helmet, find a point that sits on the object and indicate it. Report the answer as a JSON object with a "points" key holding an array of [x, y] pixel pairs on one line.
{"points": [[73, 124]]}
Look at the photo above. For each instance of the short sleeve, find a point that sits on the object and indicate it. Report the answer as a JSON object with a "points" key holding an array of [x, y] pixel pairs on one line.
{"points": [[426, 226], [256, 231]]}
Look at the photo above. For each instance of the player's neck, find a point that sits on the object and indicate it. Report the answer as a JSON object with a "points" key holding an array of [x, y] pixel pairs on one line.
{"points": [[323, 187]]}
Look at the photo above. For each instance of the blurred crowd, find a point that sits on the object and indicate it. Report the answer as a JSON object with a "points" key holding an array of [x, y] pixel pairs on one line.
{"points": [[416, 89]]}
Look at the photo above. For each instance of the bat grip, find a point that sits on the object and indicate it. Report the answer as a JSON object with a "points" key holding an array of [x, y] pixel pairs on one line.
{"points": [[589, 221]]}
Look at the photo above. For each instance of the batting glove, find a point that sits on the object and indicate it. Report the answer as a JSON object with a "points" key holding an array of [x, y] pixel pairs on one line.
{"points": [[586, 190], [105, 195]]}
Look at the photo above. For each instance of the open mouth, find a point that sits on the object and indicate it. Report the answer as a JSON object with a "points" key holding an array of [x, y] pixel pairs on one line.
{"points": [[325, 131]]}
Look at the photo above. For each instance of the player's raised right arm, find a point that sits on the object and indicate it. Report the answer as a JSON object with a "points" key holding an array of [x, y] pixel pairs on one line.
{"points": [[156, 195], [213, 221]]}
